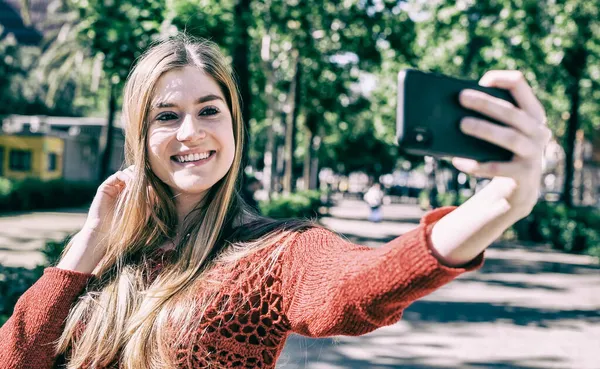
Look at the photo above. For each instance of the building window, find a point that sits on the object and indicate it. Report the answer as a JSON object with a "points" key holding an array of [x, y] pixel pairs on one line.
{"points": [[52, 161], [20, 160]]}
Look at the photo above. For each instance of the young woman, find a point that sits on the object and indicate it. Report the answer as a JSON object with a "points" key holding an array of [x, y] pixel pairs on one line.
{"points": [[172, 271]]}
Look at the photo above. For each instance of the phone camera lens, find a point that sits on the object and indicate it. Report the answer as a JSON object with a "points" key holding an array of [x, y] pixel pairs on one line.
{"points": [[421, 136]]}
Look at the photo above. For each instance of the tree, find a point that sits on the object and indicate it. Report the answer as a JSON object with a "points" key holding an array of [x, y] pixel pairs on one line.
{"points": [[326, 48], [117, 32], [67, 76], [560, 43], [9, 67], [581, 47]]}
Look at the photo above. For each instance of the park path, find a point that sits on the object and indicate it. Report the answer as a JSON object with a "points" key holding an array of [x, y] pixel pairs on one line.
{"points": [[528, 307]]}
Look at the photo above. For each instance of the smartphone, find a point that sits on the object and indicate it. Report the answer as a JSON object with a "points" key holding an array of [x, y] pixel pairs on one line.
{"points": [[429, 114]]}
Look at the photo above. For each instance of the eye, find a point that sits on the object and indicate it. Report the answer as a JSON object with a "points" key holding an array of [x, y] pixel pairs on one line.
{"points": [[166, 117], [211, 110]]}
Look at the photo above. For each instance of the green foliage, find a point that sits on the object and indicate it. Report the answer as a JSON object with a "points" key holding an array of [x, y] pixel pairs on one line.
{"points": [[14, 281], [574, 230], [119, 31], [205, 19], [53, 250], [448, 198], [443, 199], [337, 45], [334, 44], [6, 187], [33, 194], [9, 69], [376, 156], [303, 204]]}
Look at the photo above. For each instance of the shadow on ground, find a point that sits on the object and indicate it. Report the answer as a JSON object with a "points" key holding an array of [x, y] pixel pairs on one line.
{"points": [[390, 348], [303, 352], [387, 219], [422, 313]]}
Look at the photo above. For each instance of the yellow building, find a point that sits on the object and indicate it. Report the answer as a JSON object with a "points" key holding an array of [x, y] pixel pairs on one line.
{"points": [[31, 156], [48, 148]]}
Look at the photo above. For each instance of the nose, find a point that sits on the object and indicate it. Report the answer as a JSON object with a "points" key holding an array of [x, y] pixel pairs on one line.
{"points": [[190, 130]]}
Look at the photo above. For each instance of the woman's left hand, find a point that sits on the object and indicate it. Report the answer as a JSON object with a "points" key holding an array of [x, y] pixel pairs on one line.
{"points": [[526, 135]]}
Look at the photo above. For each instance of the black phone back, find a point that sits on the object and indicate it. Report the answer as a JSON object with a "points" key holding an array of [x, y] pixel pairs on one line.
{"points": [[429, 115]]}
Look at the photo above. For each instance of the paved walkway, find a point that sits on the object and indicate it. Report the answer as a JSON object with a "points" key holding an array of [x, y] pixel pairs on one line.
{"points": [[527, 308], [23, 234]]}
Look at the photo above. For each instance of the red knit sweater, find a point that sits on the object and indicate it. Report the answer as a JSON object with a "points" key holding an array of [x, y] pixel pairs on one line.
{"points": [[321, 286]]}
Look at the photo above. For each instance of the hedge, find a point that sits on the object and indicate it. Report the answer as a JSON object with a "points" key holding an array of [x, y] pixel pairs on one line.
{"points": [[575, 230], [34, 194], [14, 281], [303, 204]]}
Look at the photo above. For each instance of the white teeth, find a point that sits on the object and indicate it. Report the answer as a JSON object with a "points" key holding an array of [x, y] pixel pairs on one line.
{"points": [[192, 157]]}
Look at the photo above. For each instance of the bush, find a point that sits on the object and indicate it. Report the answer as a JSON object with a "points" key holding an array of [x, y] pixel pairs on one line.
{"points": [[33, 194], [443, 199], [6, 188], [53, 250], [14, 281], [303, 204], [574, 230]]}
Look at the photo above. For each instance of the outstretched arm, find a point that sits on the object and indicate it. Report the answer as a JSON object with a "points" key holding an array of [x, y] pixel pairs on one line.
{"points": [[333, 287]]}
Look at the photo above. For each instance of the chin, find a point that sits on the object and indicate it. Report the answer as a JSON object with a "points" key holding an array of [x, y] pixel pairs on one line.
{"points": [[192, 189]]}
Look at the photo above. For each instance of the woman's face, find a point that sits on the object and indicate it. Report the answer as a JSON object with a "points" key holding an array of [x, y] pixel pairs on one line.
{"points": [[190, 136]]}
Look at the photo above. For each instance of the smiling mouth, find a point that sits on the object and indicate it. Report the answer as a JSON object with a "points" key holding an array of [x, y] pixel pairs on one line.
{"points": [[193, 158]]}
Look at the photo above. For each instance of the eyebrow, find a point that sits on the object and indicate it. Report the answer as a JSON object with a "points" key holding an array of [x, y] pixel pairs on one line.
{"points": [[200, 100]]}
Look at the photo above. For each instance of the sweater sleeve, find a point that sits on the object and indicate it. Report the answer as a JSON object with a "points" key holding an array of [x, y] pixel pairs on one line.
{"points": [[333, 287], [27, 338]]}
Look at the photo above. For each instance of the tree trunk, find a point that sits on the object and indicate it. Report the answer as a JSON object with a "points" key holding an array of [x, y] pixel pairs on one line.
{"points": [[307, 159], [270, 173], [314, 167], [578, 170], [271, 158], [474, 47], [269, 155], [106, 140], [290, 131], [241, 64], [575, 65], [280, 157], [311, 142]]}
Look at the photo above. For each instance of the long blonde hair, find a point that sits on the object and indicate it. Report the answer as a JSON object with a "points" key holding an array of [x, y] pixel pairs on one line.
{"points": [[123, 316]]}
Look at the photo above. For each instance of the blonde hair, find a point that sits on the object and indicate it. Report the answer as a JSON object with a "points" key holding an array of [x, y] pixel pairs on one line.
{"points": [[123, 316]]}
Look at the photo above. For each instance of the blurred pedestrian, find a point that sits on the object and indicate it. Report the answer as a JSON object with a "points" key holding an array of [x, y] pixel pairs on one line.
{"points": [[374, 198]]}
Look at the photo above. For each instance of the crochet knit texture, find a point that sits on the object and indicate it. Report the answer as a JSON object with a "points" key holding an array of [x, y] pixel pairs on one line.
{"points": [[321, 285]]}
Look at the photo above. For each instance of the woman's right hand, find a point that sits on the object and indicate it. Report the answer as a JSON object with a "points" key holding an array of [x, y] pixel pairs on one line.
{"points": [[101, 211], [85, 252]]}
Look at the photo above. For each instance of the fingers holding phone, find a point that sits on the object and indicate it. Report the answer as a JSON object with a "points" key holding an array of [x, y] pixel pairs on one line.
{"points": [[524, 131], [429, 115]]}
